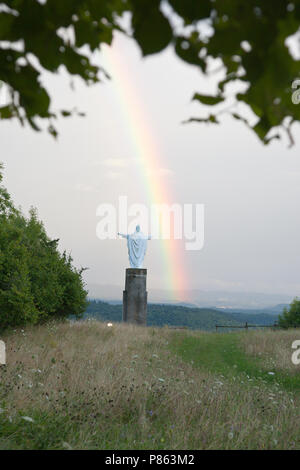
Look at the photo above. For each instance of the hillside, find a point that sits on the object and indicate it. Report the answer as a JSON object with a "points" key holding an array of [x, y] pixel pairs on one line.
{"points": [[166, 314], [84, 385]]}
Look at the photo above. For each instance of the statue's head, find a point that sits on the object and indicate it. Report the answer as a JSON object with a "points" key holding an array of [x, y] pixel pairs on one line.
{"points": [[137, 228]]}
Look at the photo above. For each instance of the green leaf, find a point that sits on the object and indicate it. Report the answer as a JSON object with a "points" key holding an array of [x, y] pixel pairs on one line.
{"points": [[188, 49], [151, 28], [6, 112], [52, 131], [240, 118], [33, 124], [6, 22], [192, 10], [210, 119], [208, 99], [262, 128], [92, 34], [66, 113]]}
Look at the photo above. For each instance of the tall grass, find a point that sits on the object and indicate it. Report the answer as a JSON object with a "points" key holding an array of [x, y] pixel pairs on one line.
{"points": [[275, 348], [89, 386]]}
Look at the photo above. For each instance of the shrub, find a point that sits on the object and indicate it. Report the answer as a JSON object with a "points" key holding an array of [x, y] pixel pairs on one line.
{"points": [[290, 318]]}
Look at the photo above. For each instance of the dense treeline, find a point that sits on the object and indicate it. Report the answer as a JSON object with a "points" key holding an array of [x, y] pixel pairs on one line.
{"points": [[174, 315], [36, 281]]}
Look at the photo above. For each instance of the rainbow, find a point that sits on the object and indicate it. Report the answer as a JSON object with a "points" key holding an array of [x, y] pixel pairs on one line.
{"points": [[150, 162]]}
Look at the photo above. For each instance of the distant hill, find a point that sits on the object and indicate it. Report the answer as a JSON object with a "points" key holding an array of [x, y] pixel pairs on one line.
{"points": [[196, 297], [276, 309], [178, 315]]}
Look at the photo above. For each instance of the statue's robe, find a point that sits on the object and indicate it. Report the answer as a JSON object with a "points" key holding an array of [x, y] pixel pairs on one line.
{"points": [[137, 245]]}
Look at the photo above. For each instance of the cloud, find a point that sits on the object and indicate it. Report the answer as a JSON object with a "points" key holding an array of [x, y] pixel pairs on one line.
{"points": [[113, 175], [165, 172], [159, 172], [122, 163], [222, 284], [86, 188], [114, 162]]}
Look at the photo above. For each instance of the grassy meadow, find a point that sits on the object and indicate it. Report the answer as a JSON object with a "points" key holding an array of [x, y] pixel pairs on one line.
{"points": [[85, 385]]}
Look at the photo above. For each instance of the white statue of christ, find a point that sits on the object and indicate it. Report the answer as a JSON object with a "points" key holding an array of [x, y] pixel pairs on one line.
{"points": [[137, 245]]}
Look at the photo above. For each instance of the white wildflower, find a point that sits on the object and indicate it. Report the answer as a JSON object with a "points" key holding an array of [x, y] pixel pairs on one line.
{"points": [[66, 445], [27, 418]]}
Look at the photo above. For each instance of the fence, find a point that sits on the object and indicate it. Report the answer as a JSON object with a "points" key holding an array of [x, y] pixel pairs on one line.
{"points": [[246, 326], [175, 327]]}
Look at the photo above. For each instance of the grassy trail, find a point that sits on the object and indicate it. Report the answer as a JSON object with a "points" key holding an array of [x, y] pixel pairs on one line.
{"points": [[224, 354]]}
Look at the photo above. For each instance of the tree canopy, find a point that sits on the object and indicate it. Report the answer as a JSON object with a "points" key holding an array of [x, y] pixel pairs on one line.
{"points": [[36, 281], [250, 39]]}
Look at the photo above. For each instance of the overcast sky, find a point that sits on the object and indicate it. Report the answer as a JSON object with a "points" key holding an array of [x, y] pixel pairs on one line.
{"points": [[250, 192]]}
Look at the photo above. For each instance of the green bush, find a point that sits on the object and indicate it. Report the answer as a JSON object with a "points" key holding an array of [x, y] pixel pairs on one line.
{"points": [[290, 318], [36, 281]]}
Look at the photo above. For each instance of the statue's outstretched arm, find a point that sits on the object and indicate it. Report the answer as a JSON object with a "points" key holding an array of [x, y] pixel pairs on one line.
{"points": [[122, 235]]}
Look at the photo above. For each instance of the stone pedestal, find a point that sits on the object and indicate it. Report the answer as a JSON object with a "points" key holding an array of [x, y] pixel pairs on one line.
{"points": [[135, 296]]}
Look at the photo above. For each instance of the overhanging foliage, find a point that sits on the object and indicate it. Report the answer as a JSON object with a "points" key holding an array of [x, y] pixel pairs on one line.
{"points": [[248, 37]]}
